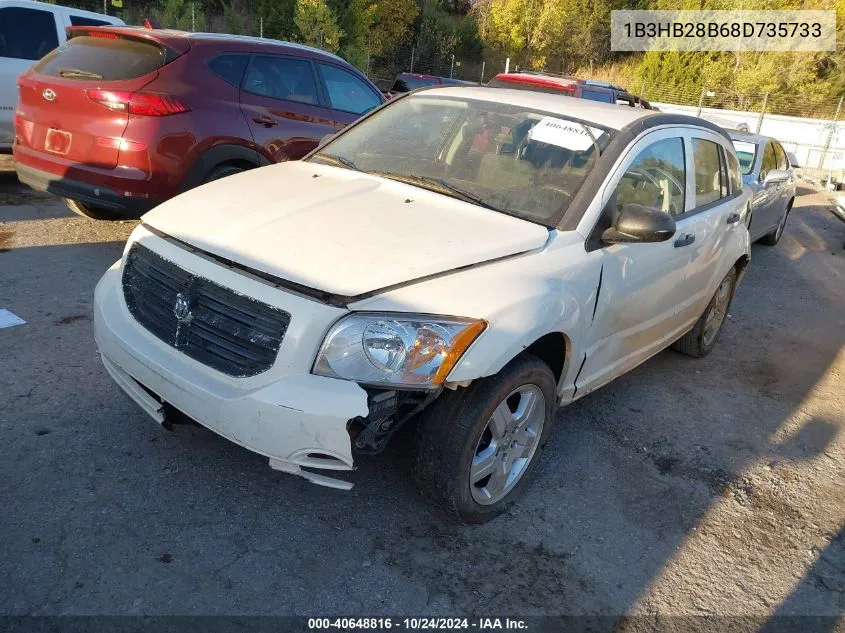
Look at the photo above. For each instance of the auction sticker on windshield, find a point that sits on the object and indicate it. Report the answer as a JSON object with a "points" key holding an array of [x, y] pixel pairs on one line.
{"points": [[562, 133]]}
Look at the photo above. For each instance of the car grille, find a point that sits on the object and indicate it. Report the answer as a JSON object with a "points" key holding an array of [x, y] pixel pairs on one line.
{"points": [[218, 327]]}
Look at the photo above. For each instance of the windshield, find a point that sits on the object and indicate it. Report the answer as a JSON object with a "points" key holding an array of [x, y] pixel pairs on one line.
{"points": [[745, 152], [506, 158]]}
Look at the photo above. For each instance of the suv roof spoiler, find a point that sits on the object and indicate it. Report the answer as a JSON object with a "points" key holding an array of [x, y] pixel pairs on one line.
{"points": [[164, 37]]}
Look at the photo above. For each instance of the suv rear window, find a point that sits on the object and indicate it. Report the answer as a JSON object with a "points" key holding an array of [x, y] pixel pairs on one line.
{"points": [[85, 57]]}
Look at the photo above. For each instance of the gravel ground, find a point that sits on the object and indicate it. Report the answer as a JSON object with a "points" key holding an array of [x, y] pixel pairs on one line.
{"points": [[687, 487]]}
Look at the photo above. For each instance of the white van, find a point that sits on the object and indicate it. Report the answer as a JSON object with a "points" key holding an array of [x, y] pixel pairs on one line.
{"points": [[28, 31]]}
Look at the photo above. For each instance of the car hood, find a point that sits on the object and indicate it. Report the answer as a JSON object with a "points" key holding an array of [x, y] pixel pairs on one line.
{"points": [[337, 230]]}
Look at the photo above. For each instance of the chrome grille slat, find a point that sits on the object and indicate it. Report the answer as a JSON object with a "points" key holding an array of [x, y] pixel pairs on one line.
{"points": [[225, 330]]}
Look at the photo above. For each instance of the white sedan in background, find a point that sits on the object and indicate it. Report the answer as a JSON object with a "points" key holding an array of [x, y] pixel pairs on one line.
{"points": [[463, 259]]}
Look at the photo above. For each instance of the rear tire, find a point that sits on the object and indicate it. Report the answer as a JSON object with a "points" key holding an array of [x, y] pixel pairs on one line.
{"points": [[701, 339], [92, 212], [221, 171], [459, 441], [774, 237]]}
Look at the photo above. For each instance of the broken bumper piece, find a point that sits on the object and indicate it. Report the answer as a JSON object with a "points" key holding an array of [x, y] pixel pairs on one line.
{"points": [[299, 421]]}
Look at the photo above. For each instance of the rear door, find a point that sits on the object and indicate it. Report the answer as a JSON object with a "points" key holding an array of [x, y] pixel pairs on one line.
{"points": [[281, 101], [717, 211], [72, 104], [347, 94], [786, 189], [26, 35], [765, 204]]}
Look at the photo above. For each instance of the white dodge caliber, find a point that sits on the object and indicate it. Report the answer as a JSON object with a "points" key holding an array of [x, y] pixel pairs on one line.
{"points": [[462, 259]]}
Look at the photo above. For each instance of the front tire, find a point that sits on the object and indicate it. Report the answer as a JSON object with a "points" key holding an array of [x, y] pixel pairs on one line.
{"points": [[477, 448], [221, 171], [701, 339], [91, 212]]}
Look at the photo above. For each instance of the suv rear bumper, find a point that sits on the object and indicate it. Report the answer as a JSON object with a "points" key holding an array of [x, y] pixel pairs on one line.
{"points": [[94, 195]]}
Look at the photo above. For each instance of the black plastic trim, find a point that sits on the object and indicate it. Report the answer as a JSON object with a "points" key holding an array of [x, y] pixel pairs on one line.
{"points": [[217, 155], [94, 195]]}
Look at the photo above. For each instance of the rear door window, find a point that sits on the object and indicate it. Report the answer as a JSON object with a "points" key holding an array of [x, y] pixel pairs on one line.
{"points": [[347, 92], [92, 58], [734, 174], [708, 172], [287, 78], [27, 33]]}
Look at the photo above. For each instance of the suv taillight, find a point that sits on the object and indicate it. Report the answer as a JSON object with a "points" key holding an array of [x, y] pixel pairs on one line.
{"points": [[140, 103]]}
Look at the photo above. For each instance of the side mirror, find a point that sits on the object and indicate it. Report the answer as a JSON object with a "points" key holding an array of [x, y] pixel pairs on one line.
{"points": [[636, 223], [776, 175]]}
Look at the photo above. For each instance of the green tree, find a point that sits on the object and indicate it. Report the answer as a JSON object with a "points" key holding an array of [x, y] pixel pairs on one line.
{"points": [[176, 14], [277, 16], [317, 24]]}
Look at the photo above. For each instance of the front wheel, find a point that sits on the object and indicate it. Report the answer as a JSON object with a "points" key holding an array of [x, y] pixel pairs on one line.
{"points": [[91, 212], [701, 339], [221, 171], [477, 447]]}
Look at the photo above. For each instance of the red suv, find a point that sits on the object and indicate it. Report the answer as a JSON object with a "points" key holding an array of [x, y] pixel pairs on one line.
{"points": [[119, 119]]}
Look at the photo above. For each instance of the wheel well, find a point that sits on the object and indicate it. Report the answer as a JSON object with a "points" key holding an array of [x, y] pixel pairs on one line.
{"points": [[235, 162], [551, 349]]}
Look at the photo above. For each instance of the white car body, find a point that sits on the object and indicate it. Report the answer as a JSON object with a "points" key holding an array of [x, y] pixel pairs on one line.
{"points": [[360, 239], [56, 20]]}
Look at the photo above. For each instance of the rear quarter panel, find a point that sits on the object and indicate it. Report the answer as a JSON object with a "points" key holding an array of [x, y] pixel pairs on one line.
{"points": [[215, 119]]}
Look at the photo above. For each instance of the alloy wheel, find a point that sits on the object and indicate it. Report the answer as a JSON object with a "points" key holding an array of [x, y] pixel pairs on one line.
{"points": [[717, 312], [507, 444]]}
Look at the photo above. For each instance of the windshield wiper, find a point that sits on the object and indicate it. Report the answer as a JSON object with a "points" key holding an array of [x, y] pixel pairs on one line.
{"points": [[76, 72], [338, 160], [438, 185]]}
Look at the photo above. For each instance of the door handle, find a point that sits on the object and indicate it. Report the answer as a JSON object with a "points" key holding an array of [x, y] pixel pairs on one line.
{"points": [[684, 240], [265, 121], [733, 218]]}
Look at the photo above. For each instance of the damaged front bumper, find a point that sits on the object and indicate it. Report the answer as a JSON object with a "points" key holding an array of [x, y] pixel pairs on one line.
{"points": [[298, 422]]}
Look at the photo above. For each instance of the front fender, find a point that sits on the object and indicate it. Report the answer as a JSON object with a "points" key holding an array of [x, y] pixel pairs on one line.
{"points": [[522, 298], [515, 326]]}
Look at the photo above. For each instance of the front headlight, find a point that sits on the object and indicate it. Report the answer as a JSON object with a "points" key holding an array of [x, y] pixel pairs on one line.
{"points": [[395, 349]]}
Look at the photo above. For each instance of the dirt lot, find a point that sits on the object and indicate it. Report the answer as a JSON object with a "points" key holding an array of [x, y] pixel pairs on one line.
{"points": [[708, 486]]}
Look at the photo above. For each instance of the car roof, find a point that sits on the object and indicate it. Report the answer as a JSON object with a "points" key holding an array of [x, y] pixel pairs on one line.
{"points": [[748, 137], [604, 114], [538, 78], [228, 37]]}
